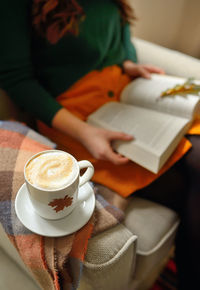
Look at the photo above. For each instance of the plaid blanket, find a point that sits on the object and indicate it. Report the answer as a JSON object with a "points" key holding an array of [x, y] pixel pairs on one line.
{"points": [[56, 263]]}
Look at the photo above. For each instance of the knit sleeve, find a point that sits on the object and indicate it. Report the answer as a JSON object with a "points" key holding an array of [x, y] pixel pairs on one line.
{"points": [[130, 51], [17, 75]]}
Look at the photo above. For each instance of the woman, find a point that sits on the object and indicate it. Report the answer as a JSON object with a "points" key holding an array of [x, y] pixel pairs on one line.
{"points": [[61, 60]]}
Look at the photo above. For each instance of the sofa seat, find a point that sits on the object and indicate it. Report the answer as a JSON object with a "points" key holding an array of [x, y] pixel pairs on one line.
{"points": [[155, 226]]}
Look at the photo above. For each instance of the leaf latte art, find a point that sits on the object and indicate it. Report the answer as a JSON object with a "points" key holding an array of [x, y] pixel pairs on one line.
{"points": [[51, 170]]}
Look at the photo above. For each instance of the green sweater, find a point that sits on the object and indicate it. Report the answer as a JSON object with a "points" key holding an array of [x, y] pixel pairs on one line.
{"points": [[34, 72]]}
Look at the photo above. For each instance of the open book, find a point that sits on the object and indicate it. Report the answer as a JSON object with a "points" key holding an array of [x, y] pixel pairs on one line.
{"points": [[157, 123]]}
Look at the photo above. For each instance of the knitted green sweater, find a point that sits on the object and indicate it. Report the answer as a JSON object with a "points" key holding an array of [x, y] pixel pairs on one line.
{"points": [[34, 72]]}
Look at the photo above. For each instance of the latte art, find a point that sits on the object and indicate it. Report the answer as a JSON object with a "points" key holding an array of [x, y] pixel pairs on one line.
{"points": [[51, 170]]}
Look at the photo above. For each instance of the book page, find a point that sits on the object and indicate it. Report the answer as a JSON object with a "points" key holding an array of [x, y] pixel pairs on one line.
{"points": [[153, 131], [146, 93]]}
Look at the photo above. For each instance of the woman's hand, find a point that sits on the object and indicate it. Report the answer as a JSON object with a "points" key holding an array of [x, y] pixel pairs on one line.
{"points": [[96, 140], [140, 70], [99, 143]]}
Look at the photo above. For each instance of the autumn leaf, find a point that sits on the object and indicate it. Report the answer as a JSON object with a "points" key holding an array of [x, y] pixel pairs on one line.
{"points": [[189, 87], [59, 204]]}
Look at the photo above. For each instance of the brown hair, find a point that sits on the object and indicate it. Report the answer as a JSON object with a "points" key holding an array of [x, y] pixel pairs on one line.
{"points": [[55, 18]]}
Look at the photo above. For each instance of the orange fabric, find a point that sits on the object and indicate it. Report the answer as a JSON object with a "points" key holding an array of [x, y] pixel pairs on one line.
{"points": [[195, 129], [92, 91], [80, 242], [83, 98]]}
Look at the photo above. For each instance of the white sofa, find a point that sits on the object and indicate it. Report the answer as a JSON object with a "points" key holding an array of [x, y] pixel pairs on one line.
{"points": [[130, 255]]}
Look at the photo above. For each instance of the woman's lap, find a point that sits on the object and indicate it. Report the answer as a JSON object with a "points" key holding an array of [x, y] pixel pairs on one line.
{"points": [[168, 189], [171, 188]]}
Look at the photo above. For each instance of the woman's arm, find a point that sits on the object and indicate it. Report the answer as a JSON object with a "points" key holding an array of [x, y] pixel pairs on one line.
{"points": [[18, 78], [130, 50]]}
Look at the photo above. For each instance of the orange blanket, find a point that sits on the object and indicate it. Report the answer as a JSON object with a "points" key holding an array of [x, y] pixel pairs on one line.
{"points": [[56, 263], [83, 98]]}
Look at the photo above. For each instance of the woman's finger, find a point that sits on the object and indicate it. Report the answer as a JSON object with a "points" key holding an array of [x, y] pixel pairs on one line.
{"points": [[139, 71], [112, 135], [115, 157], [143, 72], [153, 69], [112, 156]]}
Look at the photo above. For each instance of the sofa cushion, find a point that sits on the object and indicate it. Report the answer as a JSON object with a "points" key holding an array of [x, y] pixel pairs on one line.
{"points": [[151, 222], [155, 226]]}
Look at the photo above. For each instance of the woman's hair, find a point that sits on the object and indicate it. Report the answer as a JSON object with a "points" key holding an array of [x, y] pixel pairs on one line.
{"points": [[54, 18]]}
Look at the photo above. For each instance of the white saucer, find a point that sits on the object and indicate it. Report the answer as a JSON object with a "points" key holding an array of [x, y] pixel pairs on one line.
{"points": [[56, 228]]}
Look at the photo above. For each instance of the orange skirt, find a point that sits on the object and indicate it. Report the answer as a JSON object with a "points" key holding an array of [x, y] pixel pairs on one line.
{"points": [[83, 98]]}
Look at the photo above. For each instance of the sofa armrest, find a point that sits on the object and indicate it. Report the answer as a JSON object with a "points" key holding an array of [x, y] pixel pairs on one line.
{"points": [[110, 260], [173, 62]]}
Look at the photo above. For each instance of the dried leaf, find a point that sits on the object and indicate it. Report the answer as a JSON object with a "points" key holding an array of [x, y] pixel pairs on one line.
{"points": [[189, 87]]}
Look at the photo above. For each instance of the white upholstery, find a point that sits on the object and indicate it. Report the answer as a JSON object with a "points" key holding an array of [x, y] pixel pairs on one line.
{"points": [[146, 214], [172, 61], [12, 277], [11, 252]]}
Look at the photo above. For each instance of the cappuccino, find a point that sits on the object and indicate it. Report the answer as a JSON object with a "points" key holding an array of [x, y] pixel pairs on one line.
{"points": [[51, 170]]}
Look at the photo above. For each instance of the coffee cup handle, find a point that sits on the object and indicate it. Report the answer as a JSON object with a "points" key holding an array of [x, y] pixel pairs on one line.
{"points": [[89, 172]]}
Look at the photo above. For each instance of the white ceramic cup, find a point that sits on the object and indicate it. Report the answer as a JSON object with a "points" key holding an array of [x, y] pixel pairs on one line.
{"points": [[44, 200]]}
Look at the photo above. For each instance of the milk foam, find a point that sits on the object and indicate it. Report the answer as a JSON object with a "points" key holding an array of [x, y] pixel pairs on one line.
{"points": [[51, 170]]}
